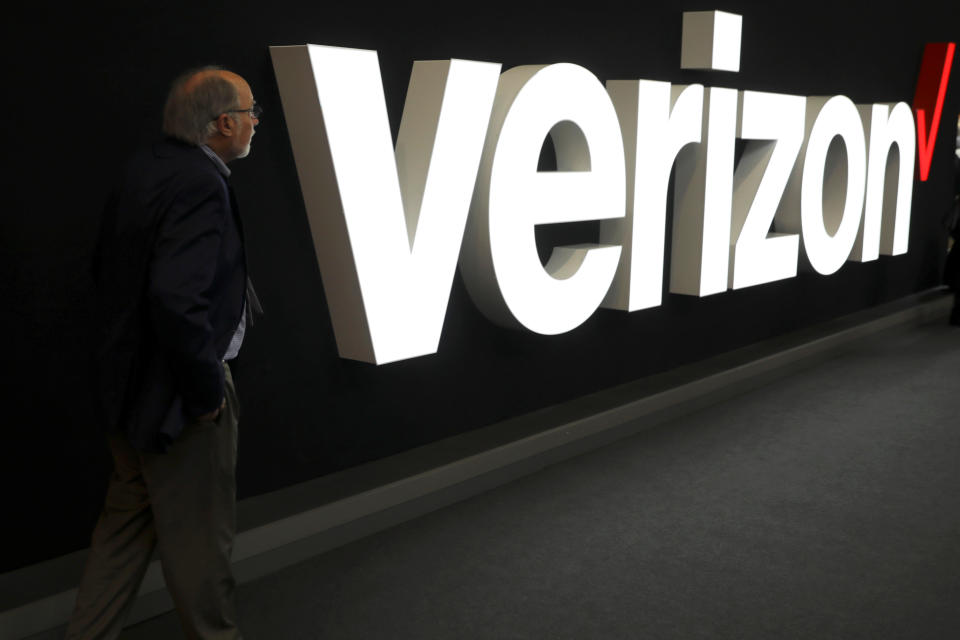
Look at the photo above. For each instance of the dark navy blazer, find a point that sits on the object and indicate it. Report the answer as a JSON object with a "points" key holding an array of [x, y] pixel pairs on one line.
{"points": [[170, 278]]}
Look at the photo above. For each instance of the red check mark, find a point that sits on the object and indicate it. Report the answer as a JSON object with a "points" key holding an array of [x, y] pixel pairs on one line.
{"points": [[931, 90]]}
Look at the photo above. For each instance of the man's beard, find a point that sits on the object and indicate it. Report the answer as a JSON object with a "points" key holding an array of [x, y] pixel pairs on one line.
{"points": [[246, 149]]}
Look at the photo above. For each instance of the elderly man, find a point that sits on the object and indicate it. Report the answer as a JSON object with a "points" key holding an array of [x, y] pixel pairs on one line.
{"points": [[173, 297]]}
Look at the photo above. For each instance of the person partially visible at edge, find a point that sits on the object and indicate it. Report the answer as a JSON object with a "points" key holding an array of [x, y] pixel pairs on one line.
{"points": [[953, 260], [173, 303]]}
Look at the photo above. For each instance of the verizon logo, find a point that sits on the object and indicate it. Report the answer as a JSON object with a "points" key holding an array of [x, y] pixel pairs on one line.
{"points": [[390, 224]]}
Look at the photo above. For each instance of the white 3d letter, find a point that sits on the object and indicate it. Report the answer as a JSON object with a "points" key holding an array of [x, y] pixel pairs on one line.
{"points": [[828, 215], [758, 185], [386, 227], [657, 122], [886, 226], [703, 200], [499, 259]]}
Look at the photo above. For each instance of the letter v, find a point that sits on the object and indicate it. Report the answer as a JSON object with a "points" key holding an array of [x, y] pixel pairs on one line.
{"points": [[387, 226], [931, 89]]}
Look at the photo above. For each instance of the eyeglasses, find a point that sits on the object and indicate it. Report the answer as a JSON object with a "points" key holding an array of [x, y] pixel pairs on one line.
{"points": [[256, 111]]}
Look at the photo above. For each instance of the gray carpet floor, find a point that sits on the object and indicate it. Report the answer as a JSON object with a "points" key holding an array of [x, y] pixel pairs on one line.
{"points": [[823, 505]]}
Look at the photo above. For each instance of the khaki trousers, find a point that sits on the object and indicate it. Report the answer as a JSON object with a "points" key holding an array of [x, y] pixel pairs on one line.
{"points": [[183, 503]]}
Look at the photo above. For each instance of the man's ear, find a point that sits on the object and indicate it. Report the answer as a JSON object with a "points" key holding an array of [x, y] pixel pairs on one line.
{"points": [[225, 124]]}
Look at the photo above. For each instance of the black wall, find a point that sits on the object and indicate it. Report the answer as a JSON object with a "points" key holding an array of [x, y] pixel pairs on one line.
{"points": [[84, 87]]}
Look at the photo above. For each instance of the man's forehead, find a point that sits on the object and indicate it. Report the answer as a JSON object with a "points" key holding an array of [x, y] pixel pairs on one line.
{"points": [[242, 87]]}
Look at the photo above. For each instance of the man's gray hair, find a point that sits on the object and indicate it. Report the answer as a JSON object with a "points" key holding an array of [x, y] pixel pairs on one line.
{"points": [[190, 113]]}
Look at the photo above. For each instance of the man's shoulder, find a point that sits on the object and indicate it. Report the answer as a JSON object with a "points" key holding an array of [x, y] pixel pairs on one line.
{"points": [[161, 173], [170, 159]]}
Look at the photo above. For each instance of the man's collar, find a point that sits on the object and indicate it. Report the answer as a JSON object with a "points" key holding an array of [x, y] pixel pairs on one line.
{"points": [[220, 164]]}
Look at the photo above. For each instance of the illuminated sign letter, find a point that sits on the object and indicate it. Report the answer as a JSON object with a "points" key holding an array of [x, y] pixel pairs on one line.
{"points": [[886, 226], [499, 260], [657, 122], [702, 202], [386, 225], [774, 124], [711, 40], [830, 184]]}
